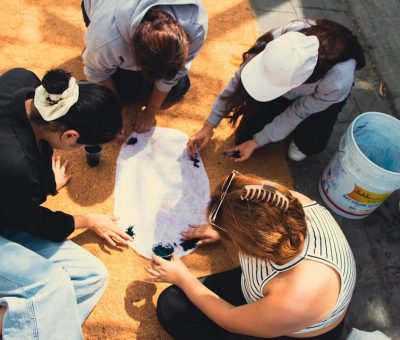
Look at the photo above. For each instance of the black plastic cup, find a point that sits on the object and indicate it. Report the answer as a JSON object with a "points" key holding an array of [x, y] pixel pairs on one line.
{"points": [[93, 153], [163, 250]]}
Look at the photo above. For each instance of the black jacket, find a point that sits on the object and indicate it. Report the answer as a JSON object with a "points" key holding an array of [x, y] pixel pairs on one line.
{"points": [[26, 175]]}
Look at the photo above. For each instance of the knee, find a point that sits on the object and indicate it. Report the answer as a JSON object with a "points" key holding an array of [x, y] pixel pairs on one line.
{"points": [[97, 273], [102, 274], [170, 305], [56, 280]]}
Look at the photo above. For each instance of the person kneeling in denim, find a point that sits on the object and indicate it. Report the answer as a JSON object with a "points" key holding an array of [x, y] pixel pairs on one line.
{"points": [[48, 285]]}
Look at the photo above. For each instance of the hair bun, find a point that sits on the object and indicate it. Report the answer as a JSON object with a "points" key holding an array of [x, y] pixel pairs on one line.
{"points": [[56, 81]]}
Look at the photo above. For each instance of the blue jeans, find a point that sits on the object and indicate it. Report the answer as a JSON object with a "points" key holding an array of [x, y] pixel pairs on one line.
{"points": [[49, 288]]}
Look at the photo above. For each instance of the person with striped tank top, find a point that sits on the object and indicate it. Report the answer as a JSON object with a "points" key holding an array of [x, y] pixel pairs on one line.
{"points": [[296, 277]]}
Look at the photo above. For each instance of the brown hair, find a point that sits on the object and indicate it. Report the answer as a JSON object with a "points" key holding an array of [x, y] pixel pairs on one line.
{"points": [[258, 229], [336, 44], [161, 45]]}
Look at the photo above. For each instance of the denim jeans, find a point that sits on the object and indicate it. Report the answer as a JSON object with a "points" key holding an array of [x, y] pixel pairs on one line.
{"points": [[49, 288]]}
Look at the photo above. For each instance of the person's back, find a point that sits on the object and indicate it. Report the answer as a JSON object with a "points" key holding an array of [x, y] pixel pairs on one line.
{"points": [[296, 277], [326, 254], [143, 49]]}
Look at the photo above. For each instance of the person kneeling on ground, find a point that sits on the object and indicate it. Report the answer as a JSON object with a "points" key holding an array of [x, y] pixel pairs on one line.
{"points": [[143, 49], [48, 285], [296, 276], [293, 81]]}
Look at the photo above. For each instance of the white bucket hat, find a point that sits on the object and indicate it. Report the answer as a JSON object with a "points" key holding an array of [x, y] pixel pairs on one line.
{"points": [[286, 62]]}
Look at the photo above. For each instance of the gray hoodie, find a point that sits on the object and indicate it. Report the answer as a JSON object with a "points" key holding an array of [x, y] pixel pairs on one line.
{"points": [[113, 23], [308, 99]]}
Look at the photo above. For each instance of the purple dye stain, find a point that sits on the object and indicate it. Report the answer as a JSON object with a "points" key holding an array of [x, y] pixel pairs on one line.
{"points": [[163, 250]]}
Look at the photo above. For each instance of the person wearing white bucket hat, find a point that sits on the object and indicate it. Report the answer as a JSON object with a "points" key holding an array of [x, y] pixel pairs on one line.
{"points": [[287, 62], [293, 82]]}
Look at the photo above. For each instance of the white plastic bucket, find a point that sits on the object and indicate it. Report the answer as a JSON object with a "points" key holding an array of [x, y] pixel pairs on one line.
{"points": [[366, 169]]}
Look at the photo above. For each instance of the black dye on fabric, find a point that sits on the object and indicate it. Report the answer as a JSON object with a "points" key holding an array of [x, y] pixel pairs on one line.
{"points": [[163, 250], [130, 231], [132, 141], [195, 161], [189, 244]]}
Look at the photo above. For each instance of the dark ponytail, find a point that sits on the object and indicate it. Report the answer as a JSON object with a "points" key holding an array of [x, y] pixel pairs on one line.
{"points": [[96, 116]]}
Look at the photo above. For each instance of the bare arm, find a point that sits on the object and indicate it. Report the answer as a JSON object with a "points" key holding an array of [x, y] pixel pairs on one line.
{"points": [[105, 226], [146, 119], [268, 317], [275, 315]]}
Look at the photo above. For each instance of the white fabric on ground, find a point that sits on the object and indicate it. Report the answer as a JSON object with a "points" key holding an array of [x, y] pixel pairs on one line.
{"points": [[159, 190]]}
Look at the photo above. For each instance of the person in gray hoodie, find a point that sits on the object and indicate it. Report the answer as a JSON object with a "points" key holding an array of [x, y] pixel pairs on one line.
{"points": [[293, 82], [143, 49]]}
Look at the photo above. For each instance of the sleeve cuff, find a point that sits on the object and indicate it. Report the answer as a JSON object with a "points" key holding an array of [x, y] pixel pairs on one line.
{"points": [[97, 77], [162, 86], [214, 119], [261, 138]]}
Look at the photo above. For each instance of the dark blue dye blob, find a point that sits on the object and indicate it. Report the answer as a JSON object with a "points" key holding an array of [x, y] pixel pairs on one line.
{"points": [[132, 141], [130, 231], [233, 154], [163, 250], [189, 244], [195, 161]]}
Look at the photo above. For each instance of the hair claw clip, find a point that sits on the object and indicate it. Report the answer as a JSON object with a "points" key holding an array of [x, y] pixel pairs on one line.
{"points": [[266, 193]]}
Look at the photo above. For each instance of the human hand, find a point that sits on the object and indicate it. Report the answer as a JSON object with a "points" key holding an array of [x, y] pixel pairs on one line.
{"points": [[106, 227], [206, 233], [245, 149], [124, 132], [173, 271], [144, 121], [199, 139], [60, 172]]}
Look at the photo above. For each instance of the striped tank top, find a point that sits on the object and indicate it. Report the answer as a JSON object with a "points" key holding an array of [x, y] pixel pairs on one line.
{"points": [[325, 243]]}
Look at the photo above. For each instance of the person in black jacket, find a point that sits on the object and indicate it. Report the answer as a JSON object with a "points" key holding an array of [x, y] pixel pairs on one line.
{"points": [[48, 285]]}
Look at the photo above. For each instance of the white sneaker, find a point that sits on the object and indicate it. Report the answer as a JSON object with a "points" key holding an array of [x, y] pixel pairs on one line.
{"points": [[294, 153]]}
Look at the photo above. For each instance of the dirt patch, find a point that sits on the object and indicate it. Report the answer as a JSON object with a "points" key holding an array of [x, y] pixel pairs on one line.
{"points": [[42, 34]]}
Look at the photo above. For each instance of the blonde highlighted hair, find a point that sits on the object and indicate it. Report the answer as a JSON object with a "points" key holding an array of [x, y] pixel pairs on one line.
{"points": [[258, 228]]}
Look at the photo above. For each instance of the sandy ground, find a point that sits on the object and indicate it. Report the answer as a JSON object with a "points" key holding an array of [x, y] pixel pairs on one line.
{"points": [[42, 34]]}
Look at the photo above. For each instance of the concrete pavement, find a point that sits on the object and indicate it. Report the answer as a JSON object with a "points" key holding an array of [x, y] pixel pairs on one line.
{"points": [[375, 240]]}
